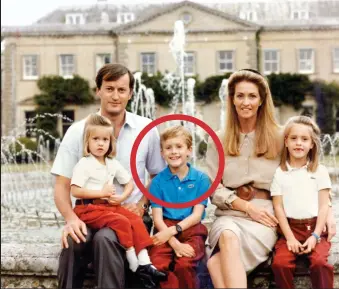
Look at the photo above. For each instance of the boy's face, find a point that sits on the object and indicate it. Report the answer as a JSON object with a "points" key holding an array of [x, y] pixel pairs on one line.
{"points": [[175, 152]]}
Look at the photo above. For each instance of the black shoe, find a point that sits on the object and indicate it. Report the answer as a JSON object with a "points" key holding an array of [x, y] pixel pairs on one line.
{"points": [[151, 271]]}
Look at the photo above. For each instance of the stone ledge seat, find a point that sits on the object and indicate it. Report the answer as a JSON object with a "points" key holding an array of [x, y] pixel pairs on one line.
{"points": [[35, 265]]}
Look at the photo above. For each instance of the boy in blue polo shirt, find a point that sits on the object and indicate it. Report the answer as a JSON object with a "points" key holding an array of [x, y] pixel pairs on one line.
{"points": [[179, 237]]}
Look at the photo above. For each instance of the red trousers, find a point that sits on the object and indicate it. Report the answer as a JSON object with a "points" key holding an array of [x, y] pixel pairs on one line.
{"points": [[128, 226], [283, 265], [163, 257]]}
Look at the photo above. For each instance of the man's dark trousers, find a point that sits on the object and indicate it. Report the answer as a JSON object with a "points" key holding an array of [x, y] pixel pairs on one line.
{"points": [[107, 255]]}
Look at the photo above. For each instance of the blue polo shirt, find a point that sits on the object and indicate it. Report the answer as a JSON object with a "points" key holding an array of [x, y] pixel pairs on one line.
{"points": [[168, 187]]}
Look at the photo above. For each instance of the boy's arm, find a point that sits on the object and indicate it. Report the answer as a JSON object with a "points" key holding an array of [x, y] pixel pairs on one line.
{"points": [[166, 234]]}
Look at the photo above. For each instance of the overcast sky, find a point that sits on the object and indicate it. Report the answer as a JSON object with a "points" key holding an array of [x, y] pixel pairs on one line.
{"points": [[25, 12]]}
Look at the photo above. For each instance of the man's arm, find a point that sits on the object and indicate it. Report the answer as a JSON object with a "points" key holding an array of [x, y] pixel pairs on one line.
{"points": [[74, 226]]}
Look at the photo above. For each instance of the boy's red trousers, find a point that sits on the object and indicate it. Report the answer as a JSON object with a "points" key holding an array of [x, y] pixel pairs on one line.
{"points": [[283, 265], [128, 226], [181, 271]]}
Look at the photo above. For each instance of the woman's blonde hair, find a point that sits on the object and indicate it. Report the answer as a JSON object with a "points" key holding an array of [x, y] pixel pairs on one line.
{"points": [[313, 154], [177, 131], [267, 141], [95, 120]]}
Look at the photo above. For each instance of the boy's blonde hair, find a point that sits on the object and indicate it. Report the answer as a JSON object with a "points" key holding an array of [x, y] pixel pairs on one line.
{"points": [[314, 152], [176, 131], [267, 141], [95, 120]]}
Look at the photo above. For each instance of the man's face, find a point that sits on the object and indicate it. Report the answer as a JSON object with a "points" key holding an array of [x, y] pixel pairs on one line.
{"points": [[114, 95]]}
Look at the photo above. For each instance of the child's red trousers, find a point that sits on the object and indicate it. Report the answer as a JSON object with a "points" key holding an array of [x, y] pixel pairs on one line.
{"points": [[183, 274], [129, 227], [283, 266]]}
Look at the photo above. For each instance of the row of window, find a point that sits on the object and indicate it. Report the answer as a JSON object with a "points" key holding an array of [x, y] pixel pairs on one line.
{"points": [[66, 65], [252, 15], [148, 63], [226, 61], [306, 60]]}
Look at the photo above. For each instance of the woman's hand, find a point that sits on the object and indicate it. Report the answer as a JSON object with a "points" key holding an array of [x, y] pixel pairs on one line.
{"points": [[262, 215]]}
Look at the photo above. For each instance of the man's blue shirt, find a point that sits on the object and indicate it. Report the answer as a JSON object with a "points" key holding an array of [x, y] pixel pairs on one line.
{"points": [[168, 187]]}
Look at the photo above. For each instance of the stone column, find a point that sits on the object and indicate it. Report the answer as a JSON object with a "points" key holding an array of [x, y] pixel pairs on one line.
{"points": [[8, 90]]}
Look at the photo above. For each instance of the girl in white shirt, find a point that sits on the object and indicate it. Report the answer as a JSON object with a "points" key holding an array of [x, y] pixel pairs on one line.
{"points": [[99, 206], [300, 190]]}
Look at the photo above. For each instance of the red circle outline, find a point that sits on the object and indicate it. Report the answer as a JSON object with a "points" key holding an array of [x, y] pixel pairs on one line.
{"points": [[163, 119]]}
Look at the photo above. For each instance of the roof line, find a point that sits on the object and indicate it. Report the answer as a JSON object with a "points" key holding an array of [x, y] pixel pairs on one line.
{"points": [[172, 7]]}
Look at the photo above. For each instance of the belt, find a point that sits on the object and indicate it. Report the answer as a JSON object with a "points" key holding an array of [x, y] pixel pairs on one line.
{"points": [[302, 221], [90, 201], [262, 194], [248, 192]]}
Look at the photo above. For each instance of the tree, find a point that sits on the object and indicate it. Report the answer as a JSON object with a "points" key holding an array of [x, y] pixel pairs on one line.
{"points": [[56, 92], [289, 89], [327, 96]]}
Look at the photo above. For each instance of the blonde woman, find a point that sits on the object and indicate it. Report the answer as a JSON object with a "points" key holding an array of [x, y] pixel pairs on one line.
{"points": [[244, 232]]}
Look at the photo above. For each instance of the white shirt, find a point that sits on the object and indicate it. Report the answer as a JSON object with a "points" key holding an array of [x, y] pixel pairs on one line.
{"points": [[89, 173], [148, 156], [300, 190]]}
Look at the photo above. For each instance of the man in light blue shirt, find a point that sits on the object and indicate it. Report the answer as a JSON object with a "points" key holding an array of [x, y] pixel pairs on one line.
{"points": [[115, 88]]}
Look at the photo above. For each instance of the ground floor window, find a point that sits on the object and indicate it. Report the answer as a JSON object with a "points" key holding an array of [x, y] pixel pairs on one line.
{"points": [[30, 125], [67, 120]]}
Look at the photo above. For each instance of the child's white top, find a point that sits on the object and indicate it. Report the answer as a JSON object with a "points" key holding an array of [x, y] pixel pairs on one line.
{"points": [[300, 190], [89, 173]]}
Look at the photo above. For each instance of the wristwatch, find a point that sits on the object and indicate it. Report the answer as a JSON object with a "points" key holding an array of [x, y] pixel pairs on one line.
{"points": [[178, 228], [145, 207]]}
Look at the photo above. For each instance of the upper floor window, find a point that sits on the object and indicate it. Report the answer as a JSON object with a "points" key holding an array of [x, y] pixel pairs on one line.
{"points": [[75, 18], [189, 63], [306, 60], [30, 67], [102, 59], [300, 14], [226, 61], [66, 65], [249, 15], [125, 17], [148, 63], [271, 61], [336, 60]]}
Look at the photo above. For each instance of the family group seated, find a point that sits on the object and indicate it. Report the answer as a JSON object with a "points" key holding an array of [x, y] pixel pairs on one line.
{"points": [[269, 168]]}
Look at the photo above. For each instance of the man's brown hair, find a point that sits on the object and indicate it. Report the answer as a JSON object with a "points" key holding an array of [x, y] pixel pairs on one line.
{"points": [[112, 72]]}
